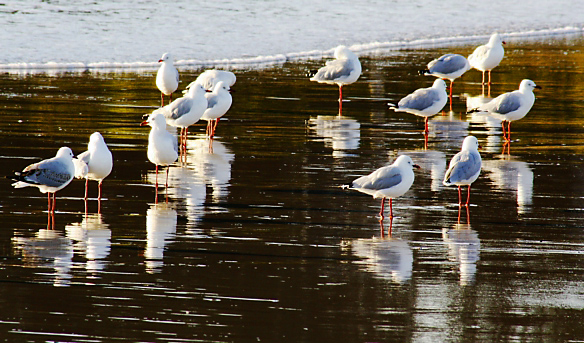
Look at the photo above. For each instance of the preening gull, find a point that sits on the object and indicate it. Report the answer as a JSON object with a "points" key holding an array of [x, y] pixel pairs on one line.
{"points": [[167, 77], [449, 66], [511, 106], [219, 102], [464, 167], [210, 78], [387, 182], [162, 146], [487, 57], [49, 176], [94, 164], [343, 70], [424, 102]]}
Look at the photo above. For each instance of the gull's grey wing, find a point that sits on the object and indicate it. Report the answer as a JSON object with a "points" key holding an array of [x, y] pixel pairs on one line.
{"points": [[49, 173], [463, 166], [447, 64], [183, 106], [382, 178], [506, 103], [334, 70], [212, 100], [420, 99]]}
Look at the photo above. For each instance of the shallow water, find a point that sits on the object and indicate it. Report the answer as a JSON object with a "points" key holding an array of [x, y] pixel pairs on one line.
{"points": [[258, 242]]}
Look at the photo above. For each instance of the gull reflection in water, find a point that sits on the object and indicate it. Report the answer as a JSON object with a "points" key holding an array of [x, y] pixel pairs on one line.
{"points": [[430, 160], [510, 174], [463, 248], [211, 160], [339, 133], [490, 123], [447, 129], [50, 249], [92, 239], [388, 258], [161, 221]]}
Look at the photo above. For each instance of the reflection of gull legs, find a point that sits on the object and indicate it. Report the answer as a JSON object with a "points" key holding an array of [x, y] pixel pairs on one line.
{"points": [[387, 258]]}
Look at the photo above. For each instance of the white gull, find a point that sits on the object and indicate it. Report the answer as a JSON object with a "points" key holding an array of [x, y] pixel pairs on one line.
{"points": [[210, 78], [387, 182], [464, 167], [343, 70], [511, 106], [167, 77], [219, 102], [162, 146], [449, 66], [424, 102], [94, 164], [487, 57], [49, 176]]}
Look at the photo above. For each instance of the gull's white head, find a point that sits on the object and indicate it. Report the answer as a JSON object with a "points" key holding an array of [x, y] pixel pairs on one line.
{"points": [[166, 57], [342, 51], [220, 86], [65, 152], [470, 143], [196, 89], [439, 84], [495, 39], [405, 160], [527, 85], [155, 120]]}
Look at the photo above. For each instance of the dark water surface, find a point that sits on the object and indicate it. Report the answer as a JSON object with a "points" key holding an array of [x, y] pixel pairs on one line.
{"points": [[258, 243]]}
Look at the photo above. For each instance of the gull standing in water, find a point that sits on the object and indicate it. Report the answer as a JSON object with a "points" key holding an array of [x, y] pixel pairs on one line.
{"points": [[511, 106], [464, 167], [49, 176], [449, 66], [162, 146], [167, 77], [94, 164], [218, 103], [387, 182], [424, 102], [343, 70], [185, 111], [487, 57]]}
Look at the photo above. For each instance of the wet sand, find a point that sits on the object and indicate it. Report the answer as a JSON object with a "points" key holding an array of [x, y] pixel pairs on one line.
{"points": [[258, 242]]}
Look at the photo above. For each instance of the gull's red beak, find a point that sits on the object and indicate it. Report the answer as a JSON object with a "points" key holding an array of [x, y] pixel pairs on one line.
{"points": [[417, 166], [163, 61], [144, 123]]}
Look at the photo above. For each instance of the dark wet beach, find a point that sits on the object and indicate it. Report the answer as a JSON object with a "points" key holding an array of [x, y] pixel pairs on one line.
{"points": [[258, 243]]}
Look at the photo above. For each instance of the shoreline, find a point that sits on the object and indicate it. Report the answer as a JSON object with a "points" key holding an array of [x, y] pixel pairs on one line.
{"points": [[263, 62]]}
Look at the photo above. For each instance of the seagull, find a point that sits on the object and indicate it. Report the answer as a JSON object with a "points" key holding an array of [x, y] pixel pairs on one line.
{"points": [[387, 182], [219, 102], [50, 175], [487, 57], [94, 164], [449, 66], [464, 167], [186, 111], [210, 78], [166, 77], [162, 146], [424, 102], [511, 106], [344, 70]]}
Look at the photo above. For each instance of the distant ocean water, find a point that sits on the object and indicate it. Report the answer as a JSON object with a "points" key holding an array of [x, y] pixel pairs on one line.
{"points": [[109, 34]]}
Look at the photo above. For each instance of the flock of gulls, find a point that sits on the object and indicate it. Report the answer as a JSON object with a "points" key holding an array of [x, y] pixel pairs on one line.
{"points": [[208, 98]]}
